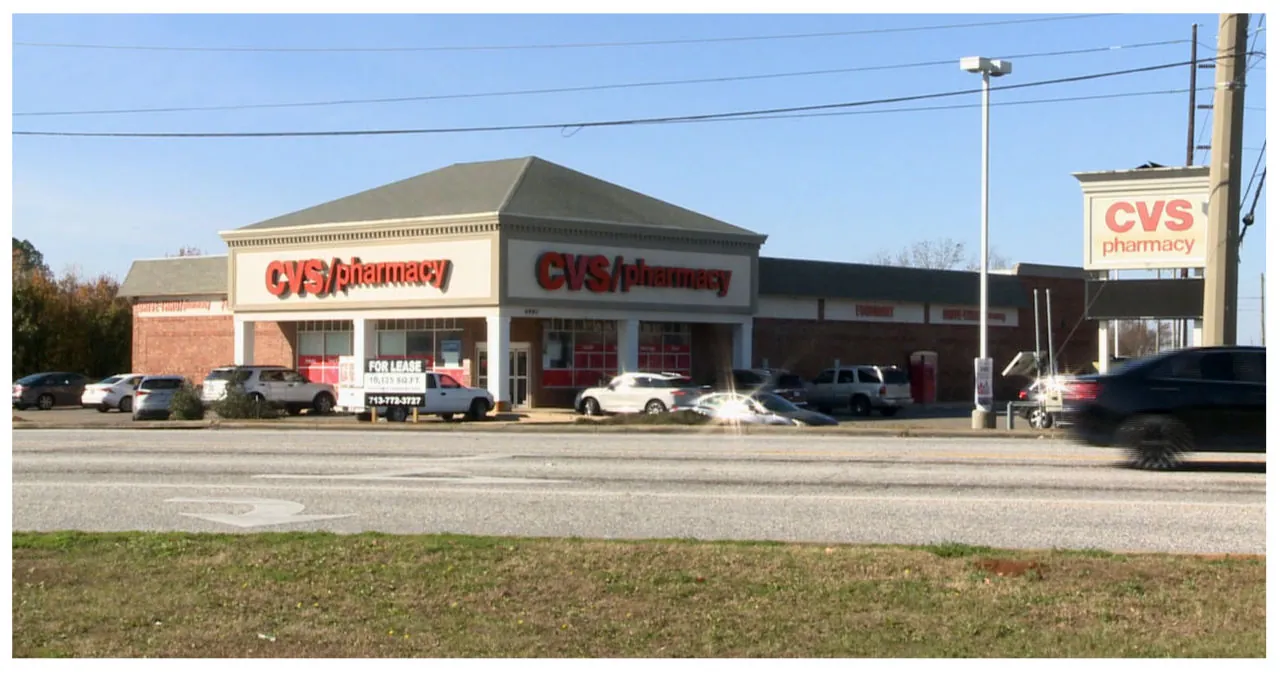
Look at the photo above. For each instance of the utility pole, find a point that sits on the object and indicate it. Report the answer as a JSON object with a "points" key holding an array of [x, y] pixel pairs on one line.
{"points": [[1263, 279], [1222, 251], [1180, 325]]}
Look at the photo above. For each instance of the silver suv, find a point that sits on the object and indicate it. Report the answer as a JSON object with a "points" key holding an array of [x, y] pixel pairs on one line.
{"points": [[861, 389], [275, 384]]}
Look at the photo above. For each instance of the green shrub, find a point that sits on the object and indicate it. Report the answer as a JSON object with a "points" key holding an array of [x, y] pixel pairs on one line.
{"points": [[238, 405], [186, 404], [678, 418]]}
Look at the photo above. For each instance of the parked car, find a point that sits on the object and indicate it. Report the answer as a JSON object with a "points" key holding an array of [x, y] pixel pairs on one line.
{"points": [[444, 397], [47, 390], [1162, 407], [115, 392], [154, 396], [759, 407], [861, 389], [786, 384], [652, 393], [275, 384]]}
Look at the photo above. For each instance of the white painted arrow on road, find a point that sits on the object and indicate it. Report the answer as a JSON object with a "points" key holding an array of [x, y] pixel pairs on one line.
{"points": [[265, 512]]}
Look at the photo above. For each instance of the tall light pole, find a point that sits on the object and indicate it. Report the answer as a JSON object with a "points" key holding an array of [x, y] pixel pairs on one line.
{"points": [[983, 416]]}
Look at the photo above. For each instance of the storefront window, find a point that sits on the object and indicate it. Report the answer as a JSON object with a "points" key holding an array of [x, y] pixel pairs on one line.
{"points": [[320, 343], [437, 341], [666, 348], [448, 349], [578, 353]]}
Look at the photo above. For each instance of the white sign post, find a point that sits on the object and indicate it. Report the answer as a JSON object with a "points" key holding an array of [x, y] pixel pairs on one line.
{"points": [[982, 376]]}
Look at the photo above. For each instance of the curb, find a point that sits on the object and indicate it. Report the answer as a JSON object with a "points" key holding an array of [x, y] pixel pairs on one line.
{"points": [[562, 427]]}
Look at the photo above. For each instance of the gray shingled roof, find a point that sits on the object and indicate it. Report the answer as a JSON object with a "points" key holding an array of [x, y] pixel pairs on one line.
{"points": [[816, 278], [529, 186], [175, 277]]}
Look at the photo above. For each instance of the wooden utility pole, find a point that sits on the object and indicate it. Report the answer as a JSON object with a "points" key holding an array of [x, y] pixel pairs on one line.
{"points": [[1222, 246], [1191, 98], [1263, 279]]}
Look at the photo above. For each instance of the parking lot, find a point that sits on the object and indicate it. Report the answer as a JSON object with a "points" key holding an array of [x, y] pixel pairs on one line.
{"points": [[947, 416]]}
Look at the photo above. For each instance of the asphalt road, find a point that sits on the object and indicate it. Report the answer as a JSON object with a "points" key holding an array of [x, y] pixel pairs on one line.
{"points": [[997, 492]]}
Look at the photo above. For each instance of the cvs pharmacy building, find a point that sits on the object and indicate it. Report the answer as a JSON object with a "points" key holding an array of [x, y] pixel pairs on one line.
{"points": [[519, 276], [534, 281]]}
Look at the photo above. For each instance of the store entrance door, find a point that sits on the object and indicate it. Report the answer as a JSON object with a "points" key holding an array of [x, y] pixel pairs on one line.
{"points": [[517, 371]]}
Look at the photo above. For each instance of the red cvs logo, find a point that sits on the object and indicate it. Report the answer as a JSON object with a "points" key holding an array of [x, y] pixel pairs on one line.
{"points": [[1176, 214]]}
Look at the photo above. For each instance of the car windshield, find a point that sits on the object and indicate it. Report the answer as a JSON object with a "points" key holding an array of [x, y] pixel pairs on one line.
{"points": [[161, 383], [1132, 363], [30, 379], [774, 403], [790, 381], [219, 375], [111, 380], [894, 376]]}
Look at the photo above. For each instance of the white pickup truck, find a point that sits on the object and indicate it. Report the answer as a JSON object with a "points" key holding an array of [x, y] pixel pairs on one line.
{"points": [[861, 389], [444, 397]]}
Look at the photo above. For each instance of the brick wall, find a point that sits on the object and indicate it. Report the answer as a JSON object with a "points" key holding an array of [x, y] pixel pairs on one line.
{"points": [[808, 346], [193, 345]]}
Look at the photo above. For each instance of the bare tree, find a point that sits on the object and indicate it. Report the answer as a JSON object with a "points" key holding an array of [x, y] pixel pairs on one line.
{"points": [[1140, 338], [187, 251], [938, 254]]}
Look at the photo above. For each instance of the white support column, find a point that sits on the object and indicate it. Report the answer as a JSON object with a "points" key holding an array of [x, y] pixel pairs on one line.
{"points": [[243, 342], [498, 344], [742, 334], [364, 342], [1104, 347], [1197, 333], [628, 345]]}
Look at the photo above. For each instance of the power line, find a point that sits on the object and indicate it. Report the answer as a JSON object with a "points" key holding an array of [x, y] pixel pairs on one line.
{"points": [[584, 88], [606, 123], [578, 45]]}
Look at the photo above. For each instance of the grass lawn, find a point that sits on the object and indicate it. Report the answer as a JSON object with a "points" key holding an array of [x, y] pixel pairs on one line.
{"points": [[321, 595]]}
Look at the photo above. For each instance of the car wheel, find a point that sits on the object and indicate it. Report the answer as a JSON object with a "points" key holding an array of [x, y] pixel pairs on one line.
{"points": [[105, 408], [45, 402], [889, 412], [1156, 442], [860, 406], [126, 404], [448, 417], [1039, 419], [323, 403], [591, 407], [397, 414], [655, 407], [477, 410]]}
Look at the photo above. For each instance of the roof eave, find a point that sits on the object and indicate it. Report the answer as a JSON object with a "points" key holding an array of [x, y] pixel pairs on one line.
{"points": [[250, 232]]}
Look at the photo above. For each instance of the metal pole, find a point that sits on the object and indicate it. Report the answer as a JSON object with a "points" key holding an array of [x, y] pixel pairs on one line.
{"points": [[1221, 273], [983, 309], [1035, 292], [1191, 105], [1048, 317], [1263, 335]]}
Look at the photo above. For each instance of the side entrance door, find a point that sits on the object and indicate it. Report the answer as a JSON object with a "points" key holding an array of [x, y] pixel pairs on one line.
{"points": [[517, 371]]}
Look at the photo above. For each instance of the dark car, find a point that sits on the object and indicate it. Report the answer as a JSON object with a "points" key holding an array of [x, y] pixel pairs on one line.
{"points": [[1161, 407], [786, 384], [47, 390]]}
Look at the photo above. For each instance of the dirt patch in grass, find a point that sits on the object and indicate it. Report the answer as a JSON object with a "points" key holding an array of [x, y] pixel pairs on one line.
{"points": [[677, 418], [374, 595]]}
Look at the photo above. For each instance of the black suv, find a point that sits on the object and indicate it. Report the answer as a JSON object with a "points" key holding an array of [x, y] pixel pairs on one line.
{"points": [[1161, 407]]}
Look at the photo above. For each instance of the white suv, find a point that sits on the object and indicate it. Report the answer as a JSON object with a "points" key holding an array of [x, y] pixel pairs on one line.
{"points": [[652, 393], [275, 384]]}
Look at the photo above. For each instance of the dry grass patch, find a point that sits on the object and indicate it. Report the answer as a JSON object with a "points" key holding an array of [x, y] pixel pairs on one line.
{"points": [[319, 595]]}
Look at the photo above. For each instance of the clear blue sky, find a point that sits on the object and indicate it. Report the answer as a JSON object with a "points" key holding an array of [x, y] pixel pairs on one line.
{"points": [[837, 188]]}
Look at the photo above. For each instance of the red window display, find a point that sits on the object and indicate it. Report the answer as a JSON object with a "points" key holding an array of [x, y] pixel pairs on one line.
{"points": [[320, 343], [578, 353], [666, 348]]}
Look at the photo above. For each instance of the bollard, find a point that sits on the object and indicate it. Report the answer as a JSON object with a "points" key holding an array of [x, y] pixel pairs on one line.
{"points": [[1008, 415], [415, 414]]}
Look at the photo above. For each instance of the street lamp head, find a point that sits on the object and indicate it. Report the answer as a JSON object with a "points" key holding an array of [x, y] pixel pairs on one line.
{"points": [[982, 64]]}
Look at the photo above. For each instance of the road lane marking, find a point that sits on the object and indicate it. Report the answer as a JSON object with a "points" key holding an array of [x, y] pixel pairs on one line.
{"points": [[652, 494], [265, 512]]}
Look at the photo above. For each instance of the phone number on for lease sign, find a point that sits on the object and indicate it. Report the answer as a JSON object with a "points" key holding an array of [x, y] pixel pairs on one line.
{"points": [[380, 400]]}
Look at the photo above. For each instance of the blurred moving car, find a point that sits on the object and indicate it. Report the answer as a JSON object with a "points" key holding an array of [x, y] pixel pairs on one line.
{"points": [[759, 408], [154, 395], [1162, 407], [786, 384], [116, 392], [652, 393], [47, 390]]}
